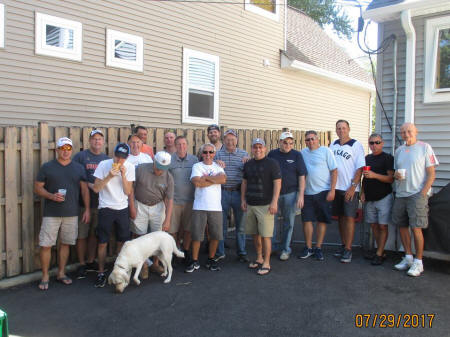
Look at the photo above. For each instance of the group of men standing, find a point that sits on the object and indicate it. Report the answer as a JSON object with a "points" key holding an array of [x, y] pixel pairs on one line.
{"points": [[189, 196]]}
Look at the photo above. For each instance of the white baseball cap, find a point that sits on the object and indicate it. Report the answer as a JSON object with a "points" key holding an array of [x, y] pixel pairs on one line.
{"points": [[285, 135], [162, 160], [64, 141]]}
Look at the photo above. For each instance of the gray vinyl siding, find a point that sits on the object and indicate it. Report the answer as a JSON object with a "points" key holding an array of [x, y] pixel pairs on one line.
{"points": [[432, 120], [64, 92]]}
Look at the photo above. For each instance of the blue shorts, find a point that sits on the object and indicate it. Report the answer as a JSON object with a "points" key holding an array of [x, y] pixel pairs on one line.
{"points": [[106, 218], [317, 208]]}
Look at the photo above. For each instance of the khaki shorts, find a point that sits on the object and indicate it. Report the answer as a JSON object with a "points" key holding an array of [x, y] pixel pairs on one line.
{"points": [[411, 211], [87, 229], [181, 217], [259, 221], [214, 219], [148, 218], [66, 226]]}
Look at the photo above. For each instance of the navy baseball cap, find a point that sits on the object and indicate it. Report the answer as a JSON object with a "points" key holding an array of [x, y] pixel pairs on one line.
{"points": [[122, 150]]}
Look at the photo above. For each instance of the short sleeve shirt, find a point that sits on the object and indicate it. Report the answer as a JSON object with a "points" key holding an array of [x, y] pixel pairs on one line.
{"points": [[349, 158], [112, 195], [207, 198], [260, 175], [374, 189], [319, 163], [233, 165], [56, 176], [181, 169], [151, 189], [292, 166], [141, 158], [148, 150], [90, 162], [415, 159]]}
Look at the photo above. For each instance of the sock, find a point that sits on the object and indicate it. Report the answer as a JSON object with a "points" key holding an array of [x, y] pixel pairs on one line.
{"points": [[417, 260], [409, 257]]}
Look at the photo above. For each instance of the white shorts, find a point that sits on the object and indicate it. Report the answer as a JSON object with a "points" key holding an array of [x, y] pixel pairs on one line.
{"points": [[148, 218]]}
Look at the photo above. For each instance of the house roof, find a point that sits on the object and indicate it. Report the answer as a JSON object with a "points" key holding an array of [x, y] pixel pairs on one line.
{"points": [[382, 3], [308, 43]]}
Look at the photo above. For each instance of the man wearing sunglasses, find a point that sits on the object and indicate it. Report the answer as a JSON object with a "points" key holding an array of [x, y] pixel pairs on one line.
{"points": [[378, 175], [59, 182], [319, 192], [293, 172], [207, 177]]}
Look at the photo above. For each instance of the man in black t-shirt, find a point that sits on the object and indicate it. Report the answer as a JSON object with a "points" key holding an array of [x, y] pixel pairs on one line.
{"points": [[59, 182], [260, 189], [377, 193]]}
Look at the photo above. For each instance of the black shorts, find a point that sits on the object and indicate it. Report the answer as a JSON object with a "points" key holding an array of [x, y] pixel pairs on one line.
{"points": [[345, 208], [317, 208], [106, 218]]}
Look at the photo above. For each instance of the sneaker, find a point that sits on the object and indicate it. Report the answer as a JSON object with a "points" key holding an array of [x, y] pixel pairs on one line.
{"points": [[318, 254], [212, 265], [284, 256], [101, 280], [416, 269], [81, 272], [340, 251], [307, 252], [404, 264], [377, 260], [91, 267], [218, 257], [243, 258], [194, 265], [346, 256]]}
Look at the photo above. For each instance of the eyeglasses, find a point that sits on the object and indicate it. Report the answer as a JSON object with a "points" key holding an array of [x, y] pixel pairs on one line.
{"points": [[288, 143], [377, 142], [206, 152], [66, 148], [309, 139]]}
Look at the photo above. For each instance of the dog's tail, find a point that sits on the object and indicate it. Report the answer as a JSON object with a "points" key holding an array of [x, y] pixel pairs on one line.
{"points": [[176, 251]]}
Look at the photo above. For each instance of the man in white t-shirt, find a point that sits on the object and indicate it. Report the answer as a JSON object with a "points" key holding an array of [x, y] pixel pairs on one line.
{"points": [[207, 176], [113, 181], [414, 164], [136, 156], [350, 159]]}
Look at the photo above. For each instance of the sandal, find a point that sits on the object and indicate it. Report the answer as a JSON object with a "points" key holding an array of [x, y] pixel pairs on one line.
{"points": [[43, 285], [254, 265], [66, 280], [263, 271]]}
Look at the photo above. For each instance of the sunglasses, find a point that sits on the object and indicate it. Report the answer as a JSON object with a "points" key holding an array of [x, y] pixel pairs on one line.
{"points": [[288, 143], [377, 142], [206, 152], [309, 139], [66, 148]]}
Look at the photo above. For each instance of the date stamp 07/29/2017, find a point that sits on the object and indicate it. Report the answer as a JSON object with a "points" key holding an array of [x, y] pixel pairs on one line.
{"points": [[389, 320]]}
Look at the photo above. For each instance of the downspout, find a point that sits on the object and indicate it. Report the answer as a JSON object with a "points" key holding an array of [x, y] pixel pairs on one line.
{"points": [[394, 108], [285, 26], [410, 73]]}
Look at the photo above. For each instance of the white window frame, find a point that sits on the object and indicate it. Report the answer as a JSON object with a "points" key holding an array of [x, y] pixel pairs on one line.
{"points": [[41, 48], [258, 10], [187, 53], [2, 26], [432, 27], [111, 61]]}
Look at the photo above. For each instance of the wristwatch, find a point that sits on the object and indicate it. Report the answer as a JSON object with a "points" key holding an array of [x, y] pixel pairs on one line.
{"points": [[354, 184]]}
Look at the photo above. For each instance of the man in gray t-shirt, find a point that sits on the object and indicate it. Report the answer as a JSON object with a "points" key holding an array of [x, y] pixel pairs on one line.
{"points": [[414, 165]]}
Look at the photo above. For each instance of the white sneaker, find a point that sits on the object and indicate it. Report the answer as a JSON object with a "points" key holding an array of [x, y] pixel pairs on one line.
{"points": [[416, 269], [284, 256], [404, 264]]}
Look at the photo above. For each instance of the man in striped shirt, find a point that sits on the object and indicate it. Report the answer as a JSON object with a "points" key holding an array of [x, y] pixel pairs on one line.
{"points": [[232, 160]]}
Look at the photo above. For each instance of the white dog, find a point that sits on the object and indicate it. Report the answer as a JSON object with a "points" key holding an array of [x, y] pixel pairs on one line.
{"points": [[134, 254]]}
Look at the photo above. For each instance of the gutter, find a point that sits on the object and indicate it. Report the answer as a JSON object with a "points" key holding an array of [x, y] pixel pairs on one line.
{"points": [[410, 71]]}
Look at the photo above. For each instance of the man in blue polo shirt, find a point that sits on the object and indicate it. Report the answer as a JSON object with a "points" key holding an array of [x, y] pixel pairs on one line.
{"points": [[293, 172]]}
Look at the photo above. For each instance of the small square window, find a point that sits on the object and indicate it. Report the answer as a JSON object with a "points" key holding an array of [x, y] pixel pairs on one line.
{"points": [[200, 87], [124, 50], [2, 26], [267, 8], [58, 37]]}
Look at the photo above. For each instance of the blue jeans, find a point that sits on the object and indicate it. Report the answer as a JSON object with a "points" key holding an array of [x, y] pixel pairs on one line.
{"points": [[286, 208], [232, 199]]}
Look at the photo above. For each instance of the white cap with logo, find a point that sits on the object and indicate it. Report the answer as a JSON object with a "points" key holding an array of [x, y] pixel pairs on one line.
{"points": [[285, 135], [162, 160], [64, 141]]}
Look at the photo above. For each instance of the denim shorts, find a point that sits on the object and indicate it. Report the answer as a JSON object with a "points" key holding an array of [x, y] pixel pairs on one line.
{"points": [[106, 218], [345, 208], [317, 208], [379, 212], [411, 211]]}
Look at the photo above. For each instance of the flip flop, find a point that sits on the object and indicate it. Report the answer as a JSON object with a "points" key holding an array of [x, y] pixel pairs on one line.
{"points": [[254, 265], [43, 285], [66, 280], [263, 271]]}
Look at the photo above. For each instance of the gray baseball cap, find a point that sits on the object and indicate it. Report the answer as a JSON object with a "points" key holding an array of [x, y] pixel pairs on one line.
{"points": [[258, 141]]}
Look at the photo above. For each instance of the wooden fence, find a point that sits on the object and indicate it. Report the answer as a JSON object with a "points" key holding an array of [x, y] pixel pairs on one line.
{"points": [[24, 149]]}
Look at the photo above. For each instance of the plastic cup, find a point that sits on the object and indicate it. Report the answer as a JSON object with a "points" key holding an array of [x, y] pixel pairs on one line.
{"points": [[366, 168], [63, 192], [402, 173]]}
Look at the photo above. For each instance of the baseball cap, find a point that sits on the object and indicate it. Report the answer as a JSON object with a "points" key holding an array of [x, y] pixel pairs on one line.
{"points": [[285, 135], [258, 141], [230, 132], [64, 141], [122, 150], [213, 127], [95, 131], [162, 160]]}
